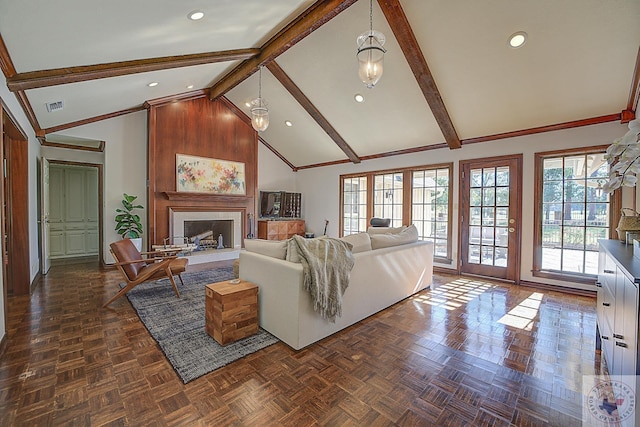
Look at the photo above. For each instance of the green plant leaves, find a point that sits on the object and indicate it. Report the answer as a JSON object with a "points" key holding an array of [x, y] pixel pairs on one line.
{"points": [[128, 224]]}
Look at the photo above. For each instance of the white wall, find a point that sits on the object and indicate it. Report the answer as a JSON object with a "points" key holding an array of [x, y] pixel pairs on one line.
{"points": [[273, 173], [125, 166], [14, 108], [321, 186]]}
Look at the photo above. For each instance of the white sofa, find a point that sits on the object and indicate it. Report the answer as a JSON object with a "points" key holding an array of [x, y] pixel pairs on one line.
{"points": [[379, 278]]}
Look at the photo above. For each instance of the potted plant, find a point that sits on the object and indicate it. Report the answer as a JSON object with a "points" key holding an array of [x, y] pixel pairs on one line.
{"points": [[128, 223]]}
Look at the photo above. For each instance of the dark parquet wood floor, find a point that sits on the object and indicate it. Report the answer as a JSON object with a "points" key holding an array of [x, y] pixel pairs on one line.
{"points": [[470, 352]]}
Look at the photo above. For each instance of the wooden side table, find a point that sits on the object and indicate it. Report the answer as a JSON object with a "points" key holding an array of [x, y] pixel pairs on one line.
{"points": [[231, 310]]}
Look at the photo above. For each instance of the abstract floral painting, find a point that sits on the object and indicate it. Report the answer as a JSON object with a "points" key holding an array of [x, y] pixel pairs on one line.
{"points": [[204, 175]]}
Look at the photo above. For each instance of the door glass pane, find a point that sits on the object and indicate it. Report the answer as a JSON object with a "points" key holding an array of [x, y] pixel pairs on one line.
{"points": [[489, 196], [475, 216], [487, 255], [488, 216], [488, 236], [502, 196], [490, 190], [476, 178], [502, 217], [488, 177], [502, 176], [474, 254]]}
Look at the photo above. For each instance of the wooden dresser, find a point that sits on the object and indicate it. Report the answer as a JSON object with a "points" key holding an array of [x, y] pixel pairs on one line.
{"points": [[280, 229]]}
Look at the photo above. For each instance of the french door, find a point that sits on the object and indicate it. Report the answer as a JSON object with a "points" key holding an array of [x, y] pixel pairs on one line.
{"points": [[490, 213]]}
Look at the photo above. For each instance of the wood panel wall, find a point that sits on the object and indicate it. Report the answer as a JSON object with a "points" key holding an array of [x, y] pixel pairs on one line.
{"points": [[197, 127]]}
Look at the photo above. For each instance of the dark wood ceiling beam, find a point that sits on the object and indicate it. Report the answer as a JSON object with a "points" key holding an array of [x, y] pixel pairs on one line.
{"points": [[277, 154], [93, 119], [321, 12], [60, 76], [9, 70], [6, 65], [403, 33], [302, 99], [634, 94]]}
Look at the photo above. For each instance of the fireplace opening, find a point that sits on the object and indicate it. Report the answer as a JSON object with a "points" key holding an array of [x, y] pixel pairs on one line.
{"points": [[206, 233]]}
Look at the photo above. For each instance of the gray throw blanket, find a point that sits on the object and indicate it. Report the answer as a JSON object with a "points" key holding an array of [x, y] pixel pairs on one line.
{"points": [[326, 264]]}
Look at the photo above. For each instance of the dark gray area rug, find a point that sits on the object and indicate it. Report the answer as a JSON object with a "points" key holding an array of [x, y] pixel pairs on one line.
{"points": [[177, 324]]}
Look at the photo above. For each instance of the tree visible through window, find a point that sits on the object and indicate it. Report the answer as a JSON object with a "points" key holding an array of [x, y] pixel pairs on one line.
{"points": [[575, 212], [384, 194], [354, 205], [430, 207]]}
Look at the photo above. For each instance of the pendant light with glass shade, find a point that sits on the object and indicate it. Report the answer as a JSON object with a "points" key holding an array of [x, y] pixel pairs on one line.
{"points": [[370, 53], [259, 110]]}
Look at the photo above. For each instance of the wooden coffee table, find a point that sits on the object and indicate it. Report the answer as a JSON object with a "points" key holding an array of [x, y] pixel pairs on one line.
{"points": [[231, 310]]}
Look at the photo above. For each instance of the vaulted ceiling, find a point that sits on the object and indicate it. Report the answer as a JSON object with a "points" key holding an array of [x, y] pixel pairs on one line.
{"points": [[450, 77]]}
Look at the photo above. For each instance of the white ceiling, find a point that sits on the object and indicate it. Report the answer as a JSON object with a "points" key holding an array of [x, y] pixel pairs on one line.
{"points": [[577, 64]]}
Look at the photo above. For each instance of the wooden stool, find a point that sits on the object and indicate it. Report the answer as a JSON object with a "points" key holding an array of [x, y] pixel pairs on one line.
{"points": [[231, 310]]}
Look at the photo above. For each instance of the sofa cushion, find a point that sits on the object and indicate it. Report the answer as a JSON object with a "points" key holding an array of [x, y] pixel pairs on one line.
{"points": [[408, 235], [272, 248], [385, 230], [361, 242], [292, 251]]}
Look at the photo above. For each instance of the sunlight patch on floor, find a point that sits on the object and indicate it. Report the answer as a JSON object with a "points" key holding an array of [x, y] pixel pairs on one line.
{"points": [[523, 315], [454, 294]]}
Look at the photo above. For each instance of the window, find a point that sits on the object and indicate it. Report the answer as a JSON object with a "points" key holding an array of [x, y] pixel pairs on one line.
{"points": [[430, 207], [572, 211], [354, 205], [387, 200], [383, 194]]}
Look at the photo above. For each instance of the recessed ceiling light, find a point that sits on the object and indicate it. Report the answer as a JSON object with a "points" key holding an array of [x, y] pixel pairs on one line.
{"points": [[152, 84], [358, 97], [518, 39], [190, 87], [288, 123], [196, 15], [247, 104]]}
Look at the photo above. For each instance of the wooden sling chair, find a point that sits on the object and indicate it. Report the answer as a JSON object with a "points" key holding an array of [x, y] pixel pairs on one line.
{"points": [[138, 267]]}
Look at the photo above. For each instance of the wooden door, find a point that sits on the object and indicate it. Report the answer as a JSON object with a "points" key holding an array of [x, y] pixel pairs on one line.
{"points": [[15, 209], [490, 214], [45, 256]]}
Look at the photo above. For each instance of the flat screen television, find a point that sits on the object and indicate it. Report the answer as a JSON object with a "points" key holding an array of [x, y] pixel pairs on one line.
{"points": [[280, 204]]}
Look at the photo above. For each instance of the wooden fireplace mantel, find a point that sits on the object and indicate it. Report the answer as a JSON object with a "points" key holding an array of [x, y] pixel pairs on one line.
{"points": [[204, 197]]}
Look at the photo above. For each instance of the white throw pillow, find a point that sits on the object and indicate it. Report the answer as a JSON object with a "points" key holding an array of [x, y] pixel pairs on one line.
{"points": [[361, 242], [272, 248], [292, 251], [385, 230], [408, 235]]}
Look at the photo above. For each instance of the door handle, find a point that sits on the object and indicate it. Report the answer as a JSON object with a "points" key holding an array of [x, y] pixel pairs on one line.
{"points": [[621, 344], [606, 304], [598, 285], [618, 336], [511, 229], [604, 337], [609, 271]]}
